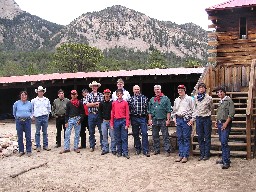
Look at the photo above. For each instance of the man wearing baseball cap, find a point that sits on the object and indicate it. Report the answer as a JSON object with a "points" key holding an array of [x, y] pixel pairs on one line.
{"points": [[74, 116], [182, 117], [105, 108]]}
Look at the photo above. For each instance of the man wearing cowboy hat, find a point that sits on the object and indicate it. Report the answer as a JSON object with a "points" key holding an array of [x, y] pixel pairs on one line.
{"points": [[41, 109], [93, 101]]}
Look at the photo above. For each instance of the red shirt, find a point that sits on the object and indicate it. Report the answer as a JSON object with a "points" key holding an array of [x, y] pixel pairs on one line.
{"points": [[86, 110], [120, 110]]}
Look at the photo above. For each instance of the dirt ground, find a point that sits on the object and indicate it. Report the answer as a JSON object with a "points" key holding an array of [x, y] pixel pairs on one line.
{"points": [[89, 171]]}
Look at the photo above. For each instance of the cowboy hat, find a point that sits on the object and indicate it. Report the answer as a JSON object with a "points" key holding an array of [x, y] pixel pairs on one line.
{"points": [[94, 83], [40, 88]]}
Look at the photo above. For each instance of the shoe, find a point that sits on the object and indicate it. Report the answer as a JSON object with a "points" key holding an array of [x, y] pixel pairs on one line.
{"points": [[65, 151], [29, 154], [20, 154], [77, 150], [200, 158], [91, 149], [156, 152], [146, 154], [219, 161], [127, 156], [206, 158], [104, 152], [225, 166], [179, 159], [46, 149], [57, 146], [137, 152], [113, 152], [119, 154], [167, 154], [184, 160], [81, 147], [38, 149]]}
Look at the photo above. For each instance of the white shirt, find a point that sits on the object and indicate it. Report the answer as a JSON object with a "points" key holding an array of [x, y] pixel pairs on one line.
{"points": [[40, 106], [126, 95]]}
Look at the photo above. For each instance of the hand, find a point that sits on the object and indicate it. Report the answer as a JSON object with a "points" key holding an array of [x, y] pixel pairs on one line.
{"points": [[111, 127], [97, 104], [66, 125], [190, 123], [167, 122], [224, 126], [78, 122], [215, 124], [149, 122], [126, 127]]}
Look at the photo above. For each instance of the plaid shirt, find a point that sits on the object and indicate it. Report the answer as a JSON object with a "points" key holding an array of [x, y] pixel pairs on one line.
{"points": [[138, 105], [92, 99]]}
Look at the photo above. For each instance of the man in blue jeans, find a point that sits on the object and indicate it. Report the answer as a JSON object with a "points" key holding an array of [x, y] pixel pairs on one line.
{"points": [[93, 100], [225, 114], [182, 117], [138, 113], [41, 109], [202, 115], [105, 115]]}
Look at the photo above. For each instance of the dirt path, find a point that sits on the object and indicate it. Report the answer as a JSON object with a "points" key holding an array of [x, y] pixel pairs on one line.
{"points": [[92, 172]]}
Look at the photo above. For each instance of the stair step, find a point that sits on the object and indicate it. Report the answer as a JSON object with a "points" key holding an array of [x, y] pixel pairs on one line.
{"points": [[235, 129], [232, 153], [231, 144], [241, 122], [230, 136]]}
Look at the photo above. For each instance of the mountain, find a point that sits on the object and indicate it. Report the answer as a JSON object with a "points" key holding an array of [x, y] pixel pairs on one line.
{"points": [[21, 31], [113, 27]]}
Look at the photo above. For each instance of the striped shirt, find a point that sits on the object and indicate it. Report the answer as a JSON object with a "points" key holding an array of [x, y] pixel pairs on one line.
{"points": [[138, 105], [91, 98]]}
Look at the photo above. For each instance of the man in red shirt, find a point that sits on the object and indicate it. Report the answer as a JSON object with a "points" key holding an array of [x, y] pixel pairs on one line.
{"points": [[120, 122]]}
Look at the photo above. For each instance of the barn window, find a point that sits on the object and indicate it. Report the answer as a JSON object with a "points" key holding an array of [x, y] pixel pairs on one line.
{"points": [[243, 30]]}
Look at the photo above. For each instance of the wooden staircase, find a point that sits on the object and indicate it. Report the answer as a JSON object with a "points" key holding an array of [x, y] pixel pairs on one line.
{"points": [[238, 138]]}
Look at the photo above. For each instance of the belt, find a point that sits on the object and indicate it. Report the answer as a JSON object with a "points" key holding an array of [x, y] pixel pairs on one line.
{"points": [[94, 113], [221, 121], [179, 116], [106, 120], [60, 115], [23, 118], [139, 115]]}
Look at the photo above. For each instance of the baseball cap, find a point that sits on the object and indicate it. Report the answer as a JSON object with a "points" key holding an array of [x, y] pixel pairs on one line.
{"points": [[182, 87], [73, 92], [106, 91]]}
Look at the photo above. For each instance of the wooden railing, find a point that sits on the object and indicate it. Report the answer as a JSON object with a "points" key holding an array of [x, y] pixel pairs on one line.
{"points": [[249, 109]]}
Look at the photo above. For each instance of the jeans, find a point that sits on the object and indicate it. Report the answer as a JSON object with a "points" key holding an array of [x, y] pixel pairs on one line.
{"points": [[93, 120], [105, 127], [26, 127], [184, 136], [84, 125], [204, 130], [60, 124], [160, 124], [121, 136], [41, 121], [223, 137], [72, 122], [137, 124]]}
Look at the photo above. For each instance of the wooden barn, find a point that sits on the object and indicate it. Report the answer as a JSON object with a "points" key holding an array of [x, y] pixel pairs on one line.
{"points": [[232, 54]]}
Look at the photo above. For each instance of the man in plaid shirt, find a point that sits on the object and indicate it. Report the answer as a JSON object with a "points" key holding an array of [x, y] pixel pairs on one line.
{"points": [[93, 101], [138, 111]]}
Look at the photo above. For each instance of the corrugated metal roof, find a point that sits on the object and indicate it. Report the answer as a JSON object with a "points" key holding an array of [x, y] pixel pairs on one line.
{"points": [[80, 75], [232, 4]]}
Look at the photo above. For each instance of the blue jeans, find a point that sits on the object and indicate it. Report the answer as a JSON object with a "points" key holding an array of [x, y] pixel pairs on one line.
{"points": [[26, 127], [121, 136], [184, 136], [160, 124], [72, 122], [223, 137], [41, 122], [105, 127], [93, 120], [137, 124], [204, 130]]}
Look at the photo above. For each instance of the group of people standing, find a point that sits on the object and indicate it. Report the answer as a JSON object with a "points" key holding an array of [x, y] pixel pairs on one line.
{"points": [[113, 114]]}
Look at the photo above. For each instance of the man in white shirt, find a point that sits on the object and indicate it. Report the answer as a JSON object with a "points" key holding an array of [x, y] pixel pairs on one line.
{"points": [[41, 109], [126, 94]]}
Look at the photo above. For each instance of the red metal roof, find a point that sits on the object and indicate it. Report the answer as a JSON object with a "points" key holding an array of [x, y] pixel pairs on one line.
{"points": [[80, 75], [233, 4]]}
